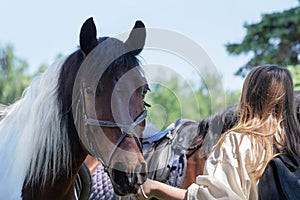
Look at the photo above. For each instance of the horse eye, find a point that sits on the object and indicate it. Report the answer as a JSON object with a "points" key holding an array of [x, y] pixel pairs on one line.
{"points": [[144, 91]]}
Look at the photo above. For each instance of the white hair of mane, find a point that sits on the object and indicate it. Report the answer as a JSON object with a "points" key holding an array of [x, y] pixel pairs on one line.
{"points": [[31, 139]]}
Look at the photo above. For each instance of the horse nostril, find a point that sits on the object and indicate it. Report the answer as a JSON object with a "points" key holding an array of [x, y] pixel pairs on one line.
{"points": [[119, 177], [122, 175], [119, 174]]}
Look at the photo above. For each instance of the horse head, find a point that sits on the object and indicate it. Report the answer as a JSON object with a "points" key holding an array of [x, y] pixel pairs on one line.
{"points": [[91, 102], [108, 104]]}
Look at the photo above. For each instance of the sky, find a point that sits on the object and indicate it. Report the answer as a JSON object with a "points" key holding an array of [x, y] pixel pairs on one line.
{"points": [[40, 30]]}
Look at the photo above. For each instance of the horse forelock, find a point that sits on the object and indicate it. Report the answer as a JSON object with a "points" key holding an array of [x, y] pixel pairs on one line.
{"points": [[32, 143], [112, 56], [108, 50]]}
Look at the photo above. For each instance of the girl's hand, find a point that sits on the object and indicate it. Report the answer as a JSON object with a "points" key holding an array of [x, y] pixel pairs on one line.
{"points": [[152, 188], [144, 191]]}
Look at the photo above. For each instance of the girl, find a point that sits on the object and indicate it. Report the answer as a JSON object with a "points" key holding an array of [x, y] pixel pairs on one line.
{"points": [[267, 126]]}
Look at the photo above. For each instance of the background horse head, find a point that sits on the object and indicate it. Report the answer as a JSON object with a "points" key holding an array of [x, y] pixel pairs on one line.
{"points": [[84, 104]]}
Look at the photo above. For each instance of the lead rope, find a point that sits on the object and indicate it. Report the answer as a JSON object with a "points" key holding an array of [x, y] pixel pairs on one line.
{"points": [[143, 192]]}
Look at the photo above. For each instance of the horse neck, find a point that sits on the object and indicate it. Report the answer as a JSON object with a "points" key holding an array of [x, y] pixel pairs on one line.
{"points": [[63, 185], [62, 188], [39, 147]]}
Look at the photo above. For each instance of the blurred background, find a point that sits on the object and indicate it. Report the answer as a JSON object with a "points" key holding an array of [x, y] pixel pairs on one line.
{"points": [[236, 36]]}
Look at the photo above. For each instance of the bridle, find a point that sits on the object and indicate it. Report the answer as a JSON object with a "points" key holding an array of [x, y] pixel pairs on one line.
{"points": [[127, 130]]}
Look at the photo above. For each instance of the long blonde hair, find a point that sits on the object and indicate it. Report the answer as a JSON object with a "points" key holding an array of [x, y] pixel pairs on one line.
{"points": [[267, 115]]}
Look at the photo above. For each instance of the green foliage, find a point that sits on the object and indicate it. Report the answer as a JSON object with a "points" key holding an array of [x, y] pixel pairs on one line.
{"points": [[166, 103], [14, 76], [13, 80], [41, 69], [275, 39], [295, 71], [175, 99], [233, 97]]}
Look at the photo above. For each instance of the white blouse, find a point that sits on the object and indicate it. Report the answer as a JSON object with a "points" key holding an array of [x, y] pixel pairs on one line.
{"points": [[225, 173]]}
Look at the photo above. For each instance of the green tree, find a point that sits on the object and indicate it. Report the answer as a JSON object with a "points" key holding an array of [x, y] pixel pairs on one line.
{"points": [[166, 102], [295, 71], [275, 39], [13, 80], [233, 97], [176, 99]]}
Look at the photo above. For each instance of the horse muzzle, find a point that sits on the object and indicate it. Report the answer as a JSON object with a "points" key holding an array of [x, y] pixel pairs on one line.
{"points": [[127, 181]]}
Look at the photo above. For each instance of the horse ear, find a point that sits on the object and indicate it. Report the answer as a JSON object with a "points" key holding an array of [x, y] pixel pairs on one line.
{"points": [[136, 40], [88, 36]]}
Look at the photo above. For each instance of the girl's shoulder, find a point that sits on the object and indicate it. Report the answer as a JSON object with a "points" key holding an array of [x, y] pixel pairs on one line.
{"points": [[237, 138], [238, 145]]}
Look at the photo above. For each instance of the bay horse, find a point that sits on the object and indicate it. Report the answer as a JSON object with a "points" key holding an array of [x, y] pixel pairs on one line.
{"points": [[209, 131], [177, 155], [81, 105]]}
